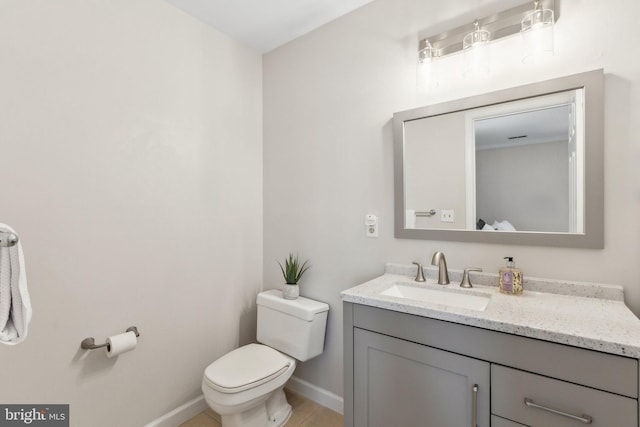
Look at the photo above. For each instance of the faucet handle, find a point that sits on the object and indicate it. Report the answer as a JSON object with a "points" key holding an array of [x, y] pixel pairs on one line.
{"points": [[466, 281], [419, 273]]}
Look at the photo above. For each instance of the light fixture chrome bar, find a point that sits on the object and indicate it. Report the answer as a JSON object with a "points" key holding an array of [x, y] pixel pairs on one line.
{"points": [[503, 24]]}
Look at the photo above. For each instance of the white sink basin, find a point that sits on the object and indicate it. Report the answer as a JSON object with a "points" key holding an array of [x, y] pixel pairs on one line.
{"points": [[436, 296]]}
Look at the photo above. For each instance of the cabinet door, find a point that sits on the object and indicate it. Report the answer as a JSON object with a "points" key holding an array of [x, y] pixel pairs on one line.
{"points": [[403, 384]]}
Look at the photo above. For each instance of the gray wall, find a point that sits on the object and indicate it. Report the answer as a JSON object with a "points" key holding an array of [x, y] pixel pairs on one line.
{"points": [[328, 101], [132, 170], [527, 185]]}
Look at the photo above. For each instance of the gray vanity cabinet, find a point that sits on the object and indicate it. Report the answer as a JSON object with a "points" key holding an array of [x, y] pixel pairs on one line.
{"points": [[400, 383], [406, 370]]}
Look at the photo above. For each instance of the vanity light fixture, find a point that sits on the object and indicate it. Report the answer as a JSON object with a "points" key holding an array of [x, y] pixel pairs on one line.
{"points": [[426, 52], [535, 23], [427, 67], [477, 37], [537, 32], [475, 47]]}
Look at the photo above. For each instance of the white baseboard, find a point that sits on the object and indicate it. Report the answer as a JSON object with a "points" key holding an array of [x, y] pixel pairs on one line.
{"points": [[319, 395], [195, 406], [180, 414]]}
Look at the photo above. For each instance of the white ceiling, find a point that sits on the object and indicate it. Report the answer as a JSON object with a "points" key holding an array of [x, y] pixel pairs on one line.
{"points": [[530, 127], [266, 24]]}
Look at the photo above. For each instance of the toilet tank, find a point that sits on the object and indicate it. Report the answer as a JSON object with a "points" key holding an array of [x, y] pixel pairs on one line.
{"points": [[295, 327]]}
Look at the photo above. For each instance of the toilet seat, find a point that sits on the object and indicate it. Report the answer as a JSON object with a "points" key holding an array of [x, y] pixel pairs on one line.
{"points": [[245, 368]]}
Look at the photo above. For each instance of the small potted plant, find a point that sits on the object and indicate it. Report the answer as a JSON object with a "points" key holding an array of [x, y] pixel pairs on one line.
{"points": [[292, 272]]}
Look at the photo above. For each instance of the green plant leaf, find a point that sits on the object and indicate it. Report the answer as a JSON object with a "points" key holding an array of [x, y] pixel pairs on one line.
{"points": [[292, 270]]}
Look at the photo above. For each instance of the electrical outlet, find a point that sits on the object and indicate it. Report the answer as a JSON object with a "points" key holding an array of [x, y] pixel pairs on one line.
{"points": [[371, 224], [447, 215]]}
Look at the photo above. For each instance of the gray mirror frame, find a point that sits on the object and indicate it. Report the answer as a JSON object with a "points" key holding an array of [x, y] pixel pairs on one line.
{"points": [[593, 237]]}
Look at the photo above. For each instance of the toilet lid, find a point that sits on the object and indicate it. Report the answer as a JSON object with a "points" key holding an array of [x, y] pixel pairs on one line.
{"points": [[246, 367]]}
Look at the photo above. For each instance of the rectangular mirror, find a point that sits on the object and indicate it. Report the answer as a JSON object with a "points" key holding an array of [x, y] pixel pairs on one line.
{"points": [[518, 166]]}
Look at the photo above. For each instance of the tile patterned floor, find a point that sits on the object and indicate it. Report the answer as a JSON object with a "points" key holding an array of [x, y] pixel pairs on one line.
{"points": [[306, 413]]}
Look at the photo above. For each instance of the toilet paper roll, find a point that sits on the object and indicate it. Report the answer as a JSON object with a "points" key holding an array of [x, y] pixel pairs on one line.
{"points": [[121, 343]]}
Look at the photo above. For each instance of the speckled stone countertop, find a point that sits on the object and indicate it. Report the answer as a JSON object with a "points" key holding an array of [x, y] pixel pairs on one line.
{"points": [[586, 315]]}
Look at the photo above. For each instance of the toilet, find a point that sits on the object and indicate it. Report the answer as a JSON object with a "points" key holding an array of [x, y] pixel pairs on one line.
{"points": [[245, 386]]}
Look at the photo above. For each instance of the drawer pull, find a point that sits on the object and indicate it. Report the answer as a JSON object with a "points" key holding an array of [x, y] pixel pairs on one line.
{"points": [[582, 418], [474, 403]]}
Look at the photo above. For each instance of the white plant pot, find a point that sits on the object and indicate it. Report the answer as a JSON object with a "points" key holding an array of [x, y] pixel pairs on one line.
{"points": [[291, 291]]}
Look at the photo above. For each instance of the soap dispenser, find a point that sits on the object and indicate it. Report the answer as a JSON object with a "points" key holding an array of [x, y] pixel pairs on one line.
{"points": [[510, 278]]}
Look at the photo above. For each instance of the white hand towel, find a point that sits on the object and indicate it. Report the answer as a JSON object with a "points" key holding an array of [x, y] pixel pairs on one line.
{"points": [[15, 304]]}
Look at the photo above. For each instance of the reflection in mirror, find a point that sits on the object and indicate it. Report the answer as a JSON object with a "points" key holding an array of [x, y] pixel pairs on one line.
{"points": [[524, 163], [434, 173], [526, 174], [507, 167]]}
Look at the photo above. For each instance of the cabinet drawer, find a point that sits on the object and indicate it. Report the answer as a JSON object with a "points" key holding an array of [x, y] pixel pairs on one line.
{"points": [[510, 388]]}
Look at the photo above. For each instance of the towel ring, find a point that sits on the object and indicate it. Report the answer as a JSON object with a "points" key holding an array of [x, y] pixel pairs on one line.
{"points": [[90, 343]]}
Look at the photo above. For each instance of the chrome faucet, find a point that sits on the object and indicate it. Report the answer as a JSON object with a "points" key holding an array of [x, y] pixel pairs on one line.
{"points": [[439, 260]]}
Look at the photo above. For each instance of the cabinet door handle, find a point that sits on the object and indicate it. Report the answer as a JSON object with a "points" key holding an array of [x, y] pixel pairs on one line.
{"points": [[582, 418], [474, 406]]}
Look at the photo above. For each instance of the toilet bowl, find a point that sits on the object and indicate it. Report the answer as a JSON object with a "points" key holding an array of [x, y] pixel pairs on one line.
{"points": [[245, 386]]}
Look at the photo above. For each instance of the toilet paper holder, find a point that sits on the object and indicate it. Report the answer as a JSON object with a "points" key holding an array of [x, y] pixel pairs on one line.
{"points": [[8, 239], [90, 343]]}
